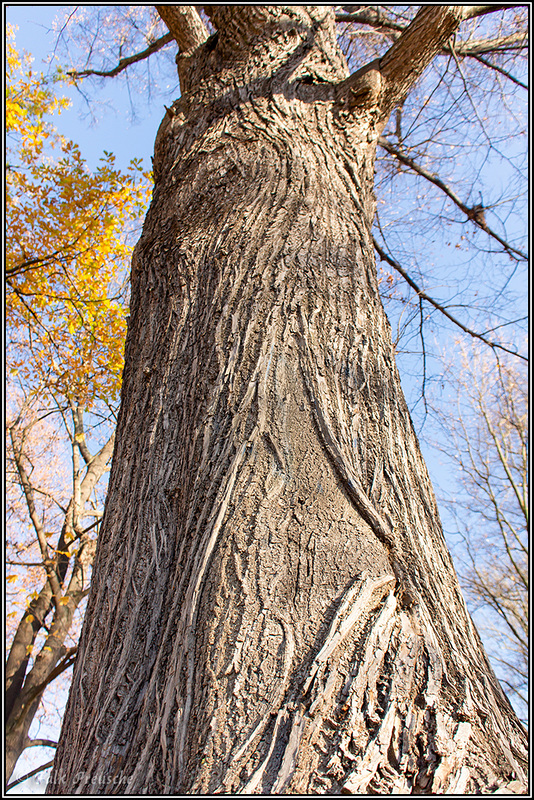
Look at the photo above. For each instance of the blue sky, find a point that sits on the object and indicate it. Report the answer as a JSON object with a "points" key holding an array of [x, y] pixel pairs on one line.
{"points": [[114, 131]]}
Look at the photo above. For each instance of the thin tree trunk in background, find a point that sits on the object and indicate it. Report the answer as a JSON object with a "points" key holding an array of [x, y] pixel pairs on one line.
{"points": [[26, 680], [273, 607]]}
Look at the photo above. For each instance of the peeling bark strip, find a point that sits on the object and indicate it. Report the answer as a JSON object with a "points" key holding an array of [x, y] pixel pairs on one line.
{"points": [[273, 607]]}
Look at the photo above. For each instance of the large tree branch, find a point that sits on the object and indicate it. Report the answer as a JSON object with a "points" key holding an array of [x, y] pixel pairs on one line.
{"points": [[185, 26], [385, 82], [414, 50], [396, 266], [67, 661], [46, 667], [475, 213], [33, 618], [19, 654], [376, 19]]}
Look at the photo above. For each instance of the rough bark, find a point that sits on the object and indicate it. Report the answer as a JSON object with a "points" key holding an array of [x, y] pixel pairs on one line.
{"points": [[273, 606]]}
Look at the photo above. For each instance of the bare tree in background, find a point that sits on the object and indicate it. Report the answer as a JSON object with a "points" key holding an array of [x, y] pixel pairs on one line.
{"points": [[64, 523], [489, 450]]}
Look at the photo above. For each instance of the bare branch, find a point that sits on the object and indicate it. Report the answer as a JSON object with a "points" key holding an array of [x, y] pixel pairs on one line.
{"points": [[39, 607], [395, 264], [38, 261], [376, 19], [423, 353], [373, 17], [504, 462], [27, 488], [480, 11], [79, 432], [25, 636], [472, 213], [497, 604], [124, 62], [35, 684], [50, 497], [499, 69], [40, 743], [96, 468], [501, 44], [30, 774], [513, 688], [76, 504], [67, 661]]}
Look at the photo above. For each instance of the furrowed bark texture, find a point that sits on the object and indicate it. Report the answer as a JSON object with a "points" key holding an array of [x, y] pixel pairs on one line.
{"points": [[273, 607]]}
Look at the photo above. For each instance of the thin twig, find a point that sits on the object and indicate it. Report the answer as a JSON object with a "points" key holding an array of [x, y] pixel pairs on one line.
{"points": [[498, 69], [466, 88], [471, 213], [40, 743], [423, 350], [124, 62], [395, 264]]}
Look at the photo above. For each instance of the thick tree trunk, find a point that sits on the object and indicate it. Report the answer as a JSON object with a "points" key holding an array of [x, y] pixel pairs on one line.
{"points": [[273, 606]]}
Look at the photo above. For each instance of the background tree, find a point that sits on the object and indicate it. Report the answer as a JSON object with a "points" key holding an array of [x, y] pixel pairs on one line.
{"points": [[489, 450], [281, 611], [66, 249]]}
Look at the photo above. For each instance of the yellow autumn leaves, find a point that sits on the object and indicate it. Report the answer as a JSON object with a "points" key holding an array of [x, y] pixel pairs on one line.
{"points": [[68, 245]]}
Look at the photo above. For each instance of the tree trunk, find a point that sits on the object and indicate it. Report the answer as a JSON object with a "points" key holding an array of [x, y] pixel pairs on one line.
{"points": [[273, 606]]}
